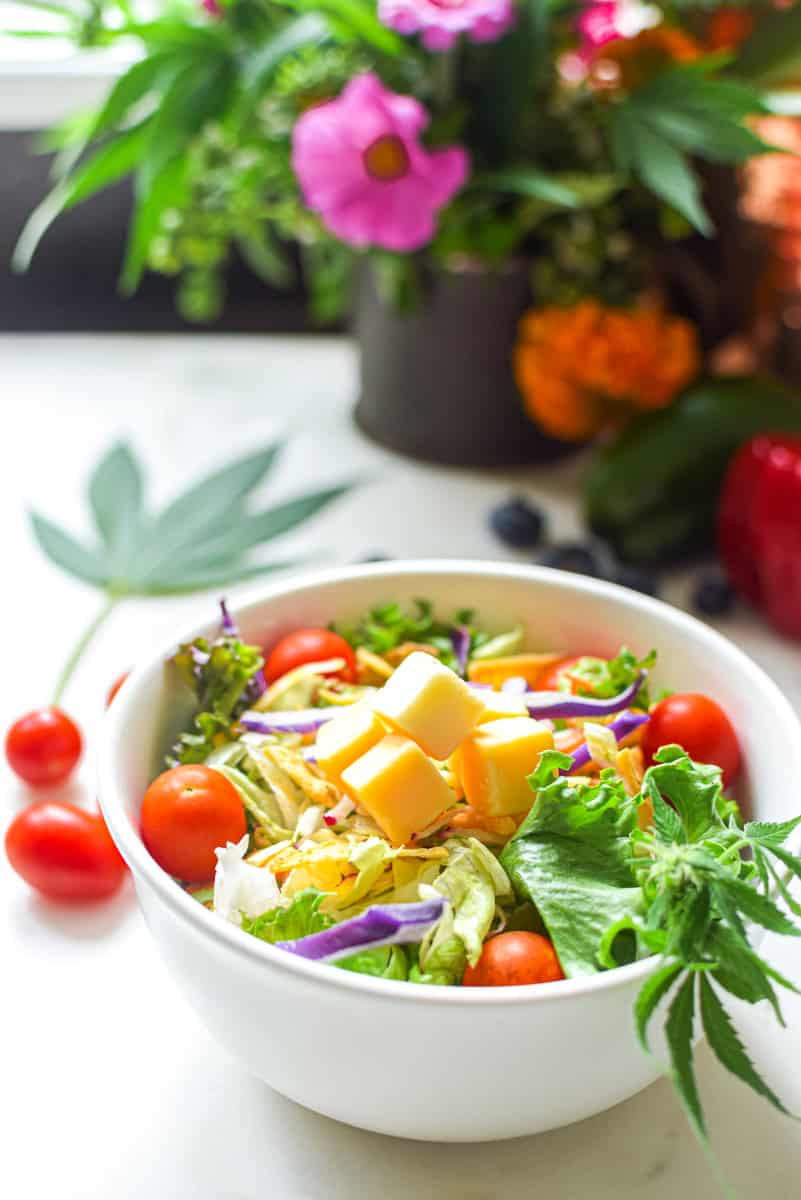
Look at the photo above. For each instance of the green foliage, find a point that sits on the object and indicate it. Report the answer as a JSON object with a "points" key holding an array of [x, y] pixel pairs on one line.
{"points": [[218, 674], [604, 678], [200, 540], [389, 625], [683, 111], [202, 124], [687, 889], [297, 920]]}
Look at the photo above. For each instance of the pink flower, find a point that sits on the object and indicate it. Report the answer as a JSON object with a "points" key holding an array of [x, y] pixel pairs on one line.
{"points": [[212, 7], [441, 21], [598, 24], [362, 169]]}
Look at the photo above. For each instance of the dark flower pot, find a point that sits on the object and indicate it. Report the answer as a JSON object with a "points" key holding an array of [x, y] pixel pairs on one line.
{"points": [[438, 384]]}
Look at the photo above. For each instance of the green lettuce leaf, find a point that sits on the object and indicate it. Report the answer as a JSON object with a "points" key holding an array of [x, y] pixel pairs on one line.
{"points": [[298, 919], [606, 678], [218, 673], [385, 962], [571, 860]]}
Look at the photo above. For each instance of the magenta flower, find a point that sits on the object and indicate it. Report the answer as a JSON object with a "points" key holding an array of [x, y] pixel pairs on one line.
{"points": [[362, 169], [441, 21], [599, 24]]}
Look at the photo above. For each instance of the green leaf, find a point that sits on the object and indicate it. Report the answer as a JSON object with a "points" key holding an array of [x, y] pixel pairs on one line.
{"points": [[693, 789], [210, 504], [667, 823], [529, 181], [112, 162], [386, 962], [353, 20], [262, 527], [679, 1034], [261, 65], [67, 553], [116, 496], [650, 994], [301, 918], [758, 908], [770, 833], [739, 970], [727, 1047], [791, 862], [166, 189], [664, 170], [129, 89]]}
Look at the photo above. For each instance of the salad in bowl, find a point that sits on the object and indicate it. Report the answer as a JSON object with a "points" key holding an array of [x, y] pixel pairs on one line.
{"points": [[411, 795]]}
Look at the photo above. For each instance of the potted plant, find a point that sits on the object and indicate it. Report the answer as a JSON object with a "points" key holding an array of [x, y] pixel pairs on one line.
{"points": [[454, 164]]}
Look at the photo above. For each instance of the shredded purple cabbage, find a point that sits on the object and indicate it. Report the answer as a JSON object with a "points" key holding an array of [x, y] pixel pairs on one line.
{"points": [[460, 640], [302, 720], [515, 685], [625, 724], [381, 925], [559, 705], [228, 626]]}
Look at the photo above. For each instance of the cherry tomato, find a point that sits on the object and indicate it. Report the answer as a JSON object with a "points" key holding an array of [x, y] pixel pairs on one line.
{"points": [[310, 645], [43, 746], [514, 958], [64, 852], [551, 676], [115, 687], [697, 724], [186, 814]]}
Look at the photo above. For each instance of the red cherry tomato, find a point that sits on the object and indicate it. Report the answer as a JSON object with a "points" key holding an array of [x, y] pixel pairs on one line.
{"points": [[310, 645], [43, 746], [514, 958], [115, 687], [697, 724], [186, 814], [64, 852], [551, 676]]}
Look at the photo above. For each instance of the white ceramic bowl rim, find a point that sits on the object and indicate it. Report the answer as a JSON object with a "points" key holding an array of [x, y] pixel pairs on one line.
{"points": [[206, 923]]}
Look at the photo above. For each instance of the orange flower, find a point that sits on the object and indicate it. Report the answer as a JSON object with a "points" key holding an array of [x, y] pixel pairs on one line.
{"points": [[583, 369], [627, 63]]}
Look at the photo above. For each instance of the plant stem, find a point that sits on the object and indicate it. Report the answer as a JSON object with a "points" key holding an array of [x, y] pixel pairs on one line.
{"points": [[81, 645]]}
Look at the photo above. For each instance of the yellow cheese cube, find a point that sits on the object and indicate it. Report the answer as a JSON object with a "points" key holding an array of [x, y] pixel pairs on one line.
{"points": [[494, 762], [430, 704], [498, 705], [349, 735], [399, 786]]}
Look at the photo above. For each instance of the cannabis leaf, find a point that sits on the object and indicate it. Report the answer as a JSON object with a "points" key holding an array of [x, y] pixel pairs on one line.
{"points": [[201, 540]]}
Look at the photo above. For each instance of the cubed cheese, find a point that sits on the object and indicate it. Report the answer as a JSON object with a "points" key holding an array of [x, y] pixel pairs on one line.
{"points": [[494, 762], [399, 786], [430, 704], [498, 705], [349, 735]]}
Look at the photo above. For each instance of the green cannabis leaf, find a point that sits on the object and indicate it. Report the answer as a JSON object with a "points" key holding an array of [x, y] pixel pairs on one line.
{"points": [[201, 540]]}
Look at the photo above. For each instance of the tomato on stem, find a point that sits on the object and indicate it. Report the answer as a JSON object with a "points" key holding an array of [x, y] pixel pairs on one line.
{"points": [[697, 724], [43, 746], [306, 646], [514, 958], [187, 812], [64, 852]]}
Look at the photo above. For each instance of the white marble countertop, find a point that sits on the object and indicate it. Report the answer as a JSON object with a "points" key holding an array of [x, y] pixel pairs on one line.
{"points": [[112, 1087]]}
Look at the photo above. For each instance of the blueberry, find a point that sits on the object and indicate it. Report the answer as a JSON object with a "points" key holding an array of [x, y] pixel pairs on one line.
{"points": [[376, 556], [518, 523], [572, 556], [714, 596], [639, 579]]}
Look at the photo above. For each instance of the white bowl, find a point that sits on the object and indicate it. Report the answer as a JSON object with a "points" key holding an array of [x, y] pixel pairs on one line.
{"points": [[439, 1064]]}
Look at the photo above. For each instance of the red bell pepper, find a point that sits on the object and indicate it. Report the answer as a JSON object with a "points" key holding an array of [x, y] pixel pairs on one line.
{"points": [[759, 527]]}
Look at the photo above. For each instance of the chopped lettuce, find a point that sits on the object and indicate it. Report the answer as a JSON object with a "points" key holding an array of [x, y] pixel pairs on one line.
{"points": [[222, 675], [385, 962], [297, 920], [602, 679], [472, 881], [388, 626]]}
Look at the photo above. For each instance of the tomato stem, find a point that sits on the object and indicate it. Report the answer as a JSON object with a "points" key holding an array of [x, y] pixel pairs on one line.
{"points": [[81, 645]]}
